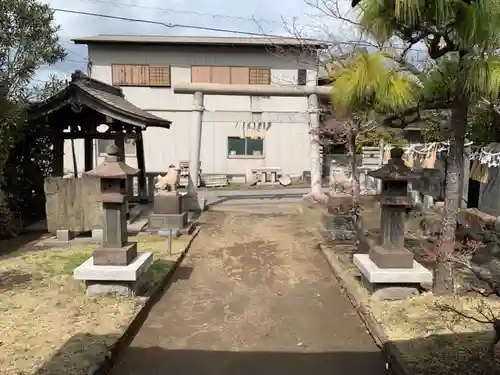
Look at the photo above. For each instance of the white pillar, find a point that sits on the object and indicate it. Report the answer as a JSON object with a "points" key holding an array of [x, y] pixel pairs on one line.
{"points": [[194, 162], [315, 155]]}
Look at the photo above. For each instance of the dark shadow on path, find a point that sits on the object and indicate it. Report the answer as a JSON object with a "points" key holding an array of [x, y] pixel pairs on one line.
{"points": [[158, 361], [77, 355], [24, 242], [464, 354]]}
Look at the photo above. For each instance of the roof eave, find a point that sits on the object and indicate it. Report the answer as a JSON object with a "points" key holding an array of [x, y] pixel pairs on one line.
{"points": [[136, 120], [197, 44], [49, 105]]}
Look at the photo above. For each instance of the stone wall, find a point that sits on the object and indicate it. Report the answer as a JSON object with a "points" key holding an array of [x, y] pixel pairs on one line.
{"points": [[73, 204]]}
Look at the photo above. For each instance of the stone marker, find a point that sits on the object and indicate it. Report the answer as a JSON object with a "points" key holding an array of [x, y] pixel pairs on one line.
{"points": [[389, 264], [116, 266]]}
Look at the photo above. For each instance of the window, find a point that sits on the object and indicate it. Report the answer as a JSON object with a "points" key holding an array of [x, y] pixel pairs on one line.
{"points": [[141, 75], [302, 77], [130, 149], [230, 75], [260, 76], [245, 147]]}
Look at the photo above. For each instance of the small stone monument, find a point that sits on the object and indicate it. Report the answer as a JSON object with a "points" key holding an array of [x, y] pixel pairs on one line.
{"points": [[115, 267], [167, 208], [389, 270]]}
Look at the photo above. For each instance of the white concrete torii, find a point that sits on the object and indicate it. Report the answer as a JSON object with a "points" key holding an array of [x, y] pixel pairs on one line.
{"points": [[201, 89]]}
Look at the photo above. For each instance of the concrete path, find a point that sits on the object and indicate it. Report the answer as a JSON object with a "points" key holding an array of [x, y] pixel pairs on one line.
{"points": [[253, 297]]}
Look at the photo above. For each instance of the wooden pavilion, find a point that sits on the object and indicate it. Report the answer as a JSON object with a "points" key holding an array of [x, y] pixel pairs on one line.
{"points": [[79, 109]]}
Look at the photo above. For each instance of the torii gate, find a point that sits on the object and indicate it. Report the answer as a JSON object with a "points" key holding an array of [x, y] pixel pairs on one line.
{"points": [[200, 89]]}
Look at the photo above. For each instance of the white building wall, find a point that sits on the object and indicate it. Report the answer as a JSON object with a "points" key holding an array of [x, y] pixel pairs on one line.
{"points": [[286, 144]]}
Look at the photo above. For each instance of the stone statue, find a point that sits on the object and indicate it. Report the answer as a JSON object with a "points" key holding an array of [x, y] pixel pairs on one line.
{"points": [[169, 182], [341, 183]]}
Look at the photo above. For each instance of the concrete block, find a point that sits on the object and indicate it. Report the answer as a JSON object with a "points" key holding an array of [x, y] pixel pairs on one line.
{"points": [[64, 235], [106, 288], [390, 292], [97, 234], [87, 271], [375, 275], [394, 293]]}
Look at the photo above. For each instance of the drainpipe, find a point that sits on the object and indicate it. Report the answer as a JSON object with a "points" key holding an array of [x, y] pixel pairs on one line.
{"points": [[194, 162], [315, 155]]}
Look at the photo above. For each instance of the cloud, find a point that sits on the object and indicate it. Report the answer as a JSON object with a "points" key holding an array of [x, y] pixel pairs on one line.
{"points": [[257, 16], [251, 15]]}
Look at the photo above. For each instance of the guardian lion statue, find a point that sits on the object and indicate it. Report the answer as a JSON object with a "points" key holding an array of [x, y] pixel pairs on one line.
{"points": [[169, 182]]}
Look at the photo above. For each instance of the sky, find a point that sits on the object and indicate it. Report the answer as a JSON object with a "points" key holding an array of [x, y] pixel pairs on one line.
{"points": [[268, 16]]}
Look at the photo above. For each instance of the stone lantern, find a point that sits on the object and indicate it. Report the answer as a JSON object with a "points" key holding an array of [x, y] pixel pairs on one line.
{"points": [[388, 261], [113, 174], [394, 201], [115, 267]]}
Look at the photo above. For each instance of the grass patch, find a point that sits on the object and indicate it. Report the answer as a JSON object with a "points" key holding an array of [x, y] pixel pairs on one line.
{"points": [[434, 341], [43, 310], [64, 263]]}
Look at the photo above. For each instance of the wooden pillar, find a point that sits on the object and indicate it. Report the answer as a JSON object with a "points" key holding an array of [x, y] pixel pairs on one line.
{"points": [[141, 165], [120, 143], [89, 153], [58, 153]]}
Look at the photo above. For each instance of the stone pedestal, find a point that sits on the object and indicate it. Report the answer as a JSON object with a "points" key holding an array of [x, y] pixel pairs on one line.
{"points": [[112, 279], [391, 283], [167, 203], [391, 258], [117, 256], [167, 212]]}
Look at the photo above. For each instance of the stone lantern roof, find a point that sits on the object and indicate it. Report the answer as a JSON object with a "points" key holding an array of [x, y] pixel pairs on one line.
{"points": [[395, 169], [112, 167]]}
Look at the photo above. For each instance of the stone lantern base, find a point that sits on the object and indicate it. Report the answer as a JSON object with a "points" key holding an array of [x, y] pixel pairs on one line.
{"points": [[113, 280], [120, 256], [391, 283], [391, 257]]}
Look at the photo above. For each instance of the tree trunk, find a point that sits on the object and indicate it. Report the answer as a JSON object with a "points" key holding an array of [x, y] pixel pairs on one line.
{"points": [[443, 272], [354, 171], [2, 194]]}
